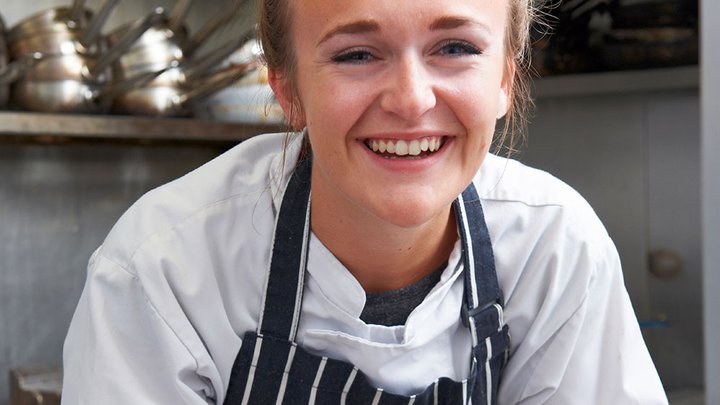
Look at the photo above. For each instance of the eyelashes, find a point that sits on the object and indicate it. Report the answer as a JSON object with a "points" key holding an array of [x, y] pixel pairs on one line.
{"points": [[458, 48], [451, 48], [354, 56]]}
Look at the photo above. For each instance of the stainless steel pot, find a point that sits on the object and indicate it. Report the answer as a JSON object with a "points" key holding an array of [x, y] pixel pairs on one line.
{"points": [[249, 100], [52, 20], [175, 101], [91, 67], [73, 82], [169, 39], [55, 96], [172, 77], [189, 71], [64, 67], [13, 71], [72, 95], [252, 104], [48, 43], [4, 89], [161, 52], [83, 26]]}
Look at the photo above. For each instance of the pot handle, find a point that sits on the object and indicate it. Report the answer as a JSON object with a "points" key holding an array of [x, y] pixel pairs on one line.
{"points": [[211, 26], [76, 11], [17, 69], [199, 67], [178, 14], [95, 26], [138, 28], [217, 82], [138, 81]]}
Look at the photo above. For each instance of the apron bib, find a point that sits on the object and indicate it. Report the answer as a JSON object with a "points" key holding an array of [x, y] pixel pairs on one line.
{"points": [[271, 368]]}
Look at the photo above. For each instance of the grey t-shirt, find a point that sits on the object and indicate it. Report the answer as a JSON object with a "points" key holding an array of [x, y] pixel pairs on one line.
{"points": [[390, 308]]}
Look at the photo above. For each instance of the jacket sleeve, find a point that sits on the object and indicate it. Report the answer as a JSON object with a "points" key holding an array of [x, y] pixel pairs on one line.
{"points": [[598, 355], [119, 350]]}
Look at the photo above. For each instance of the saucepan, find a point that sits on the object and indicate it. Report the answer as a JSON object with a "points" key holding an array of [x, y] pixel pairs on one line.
{"points": [[191, 70], [4, 90], [168, 40], [63, 83], [174, 100], [73, 95], [249, 100], [13, 71], [54, 19], [60, 31]]}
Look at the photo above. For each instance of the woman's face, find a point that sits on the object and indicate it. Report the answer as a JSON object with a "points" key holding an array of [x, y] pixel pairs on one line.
{"points": [[400, 99]]}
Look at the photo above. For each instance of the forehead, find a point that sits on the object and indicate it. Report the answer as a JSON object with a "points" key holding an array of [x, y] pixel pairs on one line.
{"points": [[319, 15]]}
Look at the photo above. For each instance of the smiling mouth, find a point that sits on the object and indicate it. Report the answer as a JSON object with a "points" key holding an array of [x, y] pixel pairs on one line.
{"points": [[399, 148]]}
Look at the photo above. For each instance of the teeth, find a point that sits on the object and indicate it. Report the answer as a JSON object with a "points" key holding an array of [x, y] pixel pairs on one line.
{"points": [[402, 147], [414, 147]]}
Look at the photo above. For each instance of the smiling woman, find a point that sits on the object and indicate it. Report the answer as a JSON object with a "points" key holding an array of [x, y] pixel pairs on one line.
{"points": [[437, 76], [379, 255]]}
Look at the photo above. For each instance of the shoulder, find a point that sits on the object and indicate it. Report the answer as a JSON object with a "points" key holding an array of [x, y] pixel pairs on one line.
{"points": [[517, 194], [549, 245], [504, 179], [231, 187], [189, 257]]}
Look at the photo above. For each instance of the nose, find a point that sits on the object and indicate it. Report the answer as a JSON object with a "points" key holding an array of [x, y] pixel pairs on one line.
{"points": [[409, 92]]}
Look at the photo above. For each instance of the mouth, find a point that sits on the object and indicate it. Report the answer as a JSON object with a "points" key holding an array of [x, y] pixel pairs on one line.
{"points": [[407, 149]]}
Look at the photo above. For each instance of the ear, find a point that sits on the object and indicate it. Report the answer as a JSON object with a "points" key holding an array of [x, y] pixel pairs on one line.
{"points": [[280, 86], [506, 88]]}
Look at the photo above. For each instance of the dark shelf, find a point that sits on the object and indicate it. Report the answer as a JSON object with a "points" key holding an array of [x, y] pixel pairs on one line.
{"points": [[60, 128]]}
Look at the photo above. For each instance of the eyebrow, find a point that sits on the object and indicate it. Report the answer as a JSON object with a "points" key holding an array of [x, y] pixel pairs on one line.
{"points": [[368, 26], [356, 27], [451, 22]]}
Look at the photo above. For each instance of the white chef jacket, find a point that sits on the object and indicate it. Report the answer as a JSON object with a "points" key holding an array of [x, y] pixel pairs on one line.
{"points": [[180, 279]]}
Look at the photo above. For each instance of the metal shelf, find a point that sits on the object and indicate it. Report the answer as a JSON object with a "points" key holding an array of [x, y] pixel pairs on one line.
{"points": [[631, 81], [40, 127]]}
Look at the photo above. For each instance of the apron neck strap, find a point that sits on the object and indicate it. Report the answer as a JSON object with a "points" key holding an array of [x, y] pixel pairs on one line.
{"points": [[481, 286], [284, 286]]}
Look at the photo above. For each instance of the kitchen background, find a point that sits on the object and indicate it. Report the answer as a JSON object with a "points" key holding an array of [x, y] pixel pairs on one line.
{"points": [[625, 132]]}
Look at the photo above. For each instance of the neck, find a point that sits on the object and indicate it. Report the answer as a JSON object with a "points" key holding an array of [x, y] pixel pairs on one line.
{"points": [[380, 255]]}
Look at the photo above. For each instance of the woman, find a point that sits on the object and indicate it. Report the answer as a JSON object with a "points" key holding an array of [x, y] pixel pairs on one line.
{"points": [[388, 258]]}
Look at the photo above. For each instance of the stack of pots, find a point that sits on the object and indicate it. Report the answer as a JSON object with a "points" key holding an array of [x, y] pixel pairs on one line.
{"points": [[72, 74], [250, 99], [4, 91], [172, 93], [10, 71]]}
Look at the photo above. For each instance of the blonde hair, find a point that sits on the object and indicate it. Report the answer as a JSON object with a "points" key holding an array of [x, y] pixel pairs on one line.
{"points": [[274, 32]]}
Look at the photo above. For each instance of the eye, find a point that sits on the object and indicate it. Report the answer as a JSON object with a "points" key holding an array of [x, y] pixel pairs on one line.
{"points": [[455, 48], [354, 56]]}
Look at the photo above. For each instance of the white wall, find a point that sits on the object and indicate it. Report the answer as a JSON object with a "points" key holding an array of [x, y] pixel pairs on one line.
{"points": [[635, 157], [710, 14], [57, 203]]}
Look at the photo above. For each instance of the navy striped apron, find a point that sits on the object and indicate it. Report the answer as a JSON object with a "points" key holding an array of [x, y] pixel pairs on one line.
{"points": [[271, 368]]}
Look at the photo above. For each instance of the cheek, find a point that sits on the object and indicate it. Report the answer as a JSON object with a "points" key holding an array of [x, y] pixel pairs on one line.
{"points": [[476, 103], [329, 109]]}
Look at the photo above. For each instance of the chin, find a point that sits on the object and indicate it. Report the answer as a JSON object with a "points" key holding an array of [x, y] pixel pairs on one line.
{"points": [[407, 212]]}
